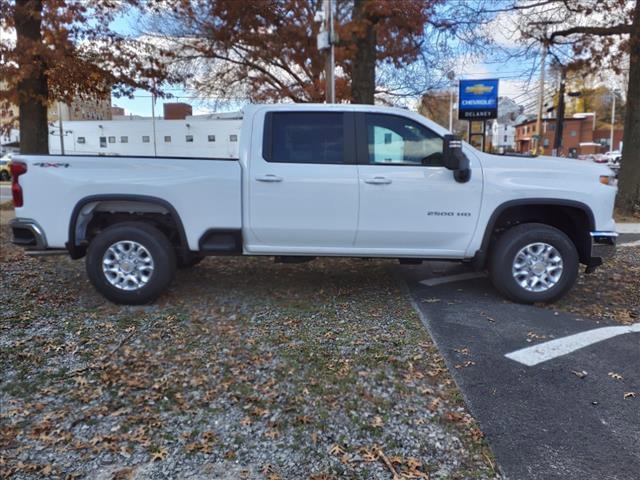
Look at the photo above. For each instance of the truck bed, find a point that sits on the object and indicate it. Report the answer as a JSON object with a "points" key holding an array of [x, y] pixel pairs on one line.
{"points": [[205, 192]]}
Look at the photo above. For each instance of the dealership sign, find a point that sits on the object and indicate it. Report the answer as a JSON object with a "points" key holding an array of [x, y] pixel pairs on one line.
{"points": [[478, 99]]}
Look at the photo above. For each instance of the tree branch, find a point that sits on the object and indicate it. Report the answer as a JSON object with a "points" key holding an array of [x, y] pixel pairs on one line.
{"points": [[598, 31]]}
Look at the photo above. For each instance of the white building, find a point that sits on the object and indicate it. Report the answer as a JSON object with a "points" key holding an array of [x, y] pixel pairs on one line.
{"points": [[213, 136], [9, 141], [503, 137]]}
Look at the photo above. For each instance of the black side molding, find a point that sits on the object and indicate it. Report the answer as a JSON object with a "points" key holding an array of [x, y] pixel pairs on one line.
{"points": [[217, 241], [76, 251], [479, 260]]}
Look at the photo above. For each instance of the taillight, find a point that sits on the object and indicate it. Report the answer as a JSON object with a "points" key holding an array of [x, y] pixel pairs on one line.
{"points": [[17, 169]]}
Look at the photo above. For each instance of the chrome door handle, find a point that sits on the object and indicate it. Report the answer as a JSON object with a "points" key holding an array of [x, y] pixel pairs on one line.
{"points": [[378, 181], [269, 178]]}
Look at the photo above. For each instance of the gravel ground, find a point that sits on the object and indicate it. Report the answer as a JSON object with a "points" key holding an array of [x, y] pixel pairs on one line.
{"points": [[611, 293], [245, 369]]}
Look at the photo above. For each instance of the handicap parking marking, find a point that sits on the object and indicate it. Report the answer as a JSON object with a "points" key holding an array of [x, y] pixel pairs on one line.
{"points": [[558, 347], [432, 282]]}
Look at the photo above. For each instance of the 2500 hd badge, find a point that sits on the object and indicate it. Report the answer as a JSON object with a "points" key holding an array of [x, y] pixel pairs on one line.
{"points": [[448, 214]]}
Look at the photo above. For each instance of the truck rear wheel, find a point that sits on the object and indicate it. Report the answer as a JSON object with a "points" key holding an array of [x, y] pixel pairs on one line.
{"points": [[533, 263], [130, 263]]}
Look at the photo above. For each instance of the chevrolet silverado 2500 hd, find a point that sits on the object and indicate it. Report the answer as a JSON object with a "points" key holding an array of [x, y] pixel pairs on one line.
{"points": [[320, 180]]}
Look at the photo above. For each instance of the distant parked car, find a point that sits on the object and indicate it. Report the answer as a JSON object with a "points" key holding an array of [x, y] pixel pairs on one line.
{"points": [[599, 158], [613, 156], [5, 170]]}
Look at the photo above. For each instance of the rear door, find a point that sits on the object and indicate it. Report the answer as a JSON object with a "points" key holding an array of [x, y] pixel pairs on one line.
{"points": [[409, 202], [303, 183]]}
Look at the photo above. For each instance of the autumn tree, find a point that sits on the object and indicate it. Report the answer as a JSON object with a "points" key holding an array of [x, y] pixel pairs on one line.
{"points": [[382, 31], [65, 49], [266, 50]]}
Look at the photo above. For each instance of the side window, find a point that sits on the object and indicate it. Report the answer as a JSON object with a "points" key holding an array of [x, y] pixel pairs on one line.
{"points": [[395, 140], [304, 137]]}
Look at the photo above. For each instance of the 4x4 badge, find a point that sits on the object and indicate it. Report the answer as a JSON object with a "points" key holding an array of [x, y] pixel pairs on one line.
{"points": [[49, 164]]}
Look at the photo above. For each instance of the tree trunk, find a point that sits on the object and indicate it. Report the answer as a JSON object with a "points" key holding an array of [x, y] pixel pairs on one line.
{"points": [[32, 90], [363, 75], [628, 200]]}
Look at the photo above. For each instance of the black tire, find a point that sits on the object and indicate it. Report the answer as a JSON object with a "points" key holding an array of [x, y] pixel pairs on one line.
{"points": [[5, 176], [506, 248], [158, 247], [188, 260]]}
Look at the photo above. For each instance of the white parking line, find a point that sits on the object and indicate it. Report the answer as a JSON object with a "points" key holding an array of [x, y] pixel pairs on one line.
{"points": [[542, 352], [452, 278]]}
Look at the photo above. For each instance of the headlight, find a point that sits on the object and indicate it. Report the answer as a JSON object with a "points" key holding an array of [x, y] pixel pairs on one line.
{"points": [[608, 180]]}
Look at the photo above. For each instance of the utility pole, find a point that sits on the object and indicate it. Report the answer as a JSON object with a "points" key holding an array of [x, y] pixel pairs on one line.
{"points": [[613, 120], [326, 42], [538, 142], [153, 123], [451, 75], [557, 140], [62, 131]]}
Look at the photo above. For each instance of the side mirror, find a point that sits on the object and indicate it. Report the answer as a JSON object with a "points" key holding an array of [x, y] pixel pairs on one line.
{"points": [[455, 159]]}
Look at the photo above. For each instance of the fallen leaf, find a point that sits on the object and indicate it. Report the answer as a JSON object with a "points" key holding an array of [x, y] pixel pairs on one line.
{"points": [[466, 364], [579, 374], [337, 450], [159, 455], [377, 421], [615, 376], [629, 395], [369, 454]]}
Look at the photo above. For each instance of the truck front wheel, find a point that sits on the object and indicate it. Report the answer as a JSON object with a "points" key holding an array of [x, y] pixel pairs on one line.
{"points": [[130, 263], [534, 262]]}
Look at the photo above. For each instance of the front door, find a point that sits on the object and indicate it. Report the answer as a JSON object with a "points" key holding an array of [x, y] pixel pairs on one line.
{"points": [[408, 201], [303, 185]]}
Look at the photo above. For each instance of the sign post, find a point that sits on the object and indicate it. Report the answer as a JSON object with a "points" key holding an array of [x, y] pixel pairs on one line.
{"points": [[477, 103]]}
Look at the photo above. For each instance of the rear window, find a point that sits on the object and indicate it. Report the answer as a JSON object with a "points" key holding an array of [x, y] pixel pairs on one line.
{"points": [[304, 137]]}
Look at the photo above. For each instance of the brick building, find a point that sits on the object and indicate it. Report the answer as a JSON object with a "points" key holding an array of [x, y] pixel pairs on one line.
{"points": [[579, 137], [93, 108], [177, 111]]}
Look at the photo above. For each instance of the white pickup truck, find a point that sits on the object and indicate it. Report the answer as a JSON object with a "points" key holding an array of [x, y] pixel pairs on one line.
{"points": [[320, 180]]}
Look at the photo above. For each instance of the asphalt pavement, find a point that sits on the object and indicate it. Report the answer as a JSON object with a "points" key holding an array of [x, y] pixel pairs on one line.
{"points": [[564, 418]]}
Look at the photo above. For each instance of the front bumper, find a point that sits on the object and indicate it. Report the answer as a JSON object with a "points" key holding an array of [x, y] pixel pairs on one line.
{"points": [[28, 234], [603, 246]]}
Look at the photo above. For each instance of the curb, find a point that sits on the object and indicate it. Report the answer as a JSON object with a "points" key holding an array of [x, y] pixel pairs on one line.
{"points": [[628, 227]]}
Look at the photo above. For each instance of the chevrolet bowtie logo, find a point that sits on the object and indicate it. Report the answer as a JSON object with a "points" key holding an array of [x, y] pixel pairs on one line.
{"points": [[478, 89]]}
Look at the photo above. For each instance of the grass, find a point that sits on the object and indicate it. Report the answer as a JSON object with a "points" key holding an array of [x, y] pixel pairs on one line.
{"points": [[309, 354]]}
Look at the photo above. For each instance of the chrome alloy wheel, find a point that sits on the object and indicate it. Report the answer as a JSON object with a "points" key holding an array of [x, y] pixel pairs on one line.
{"points": [[537, 267], [127, 265]]}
